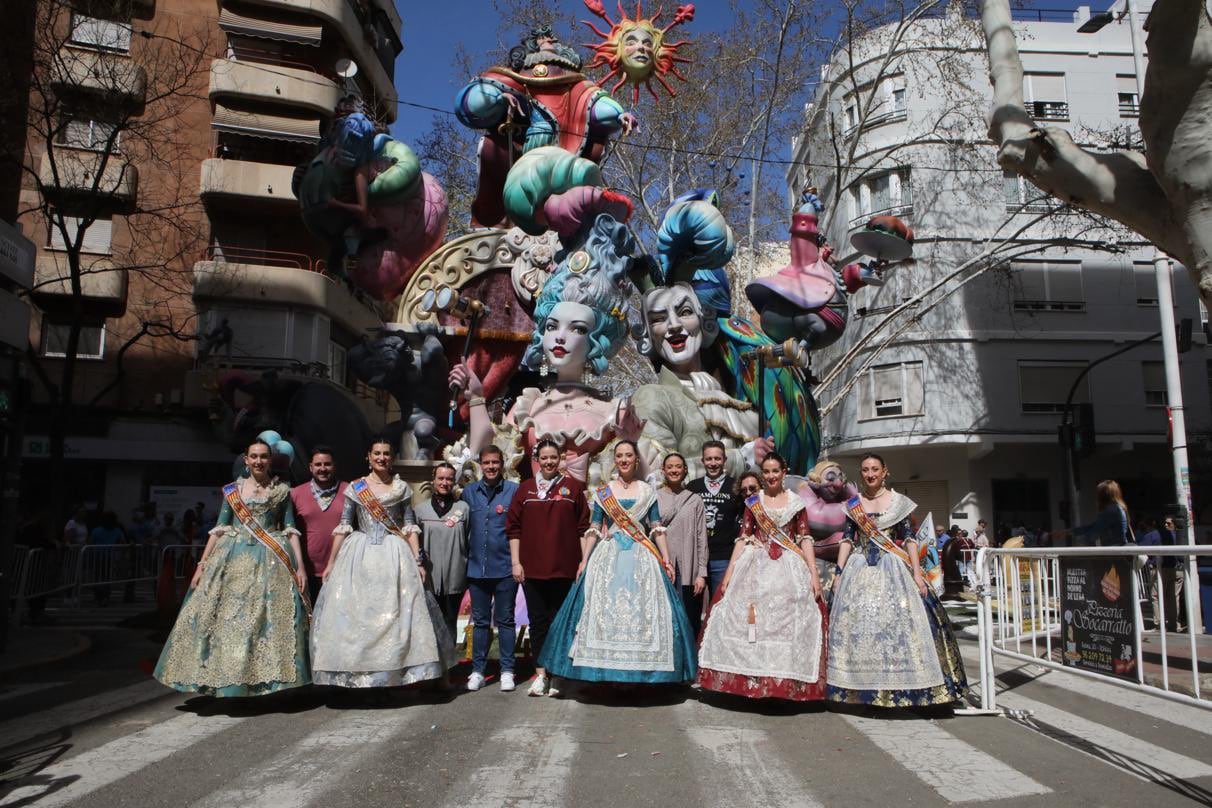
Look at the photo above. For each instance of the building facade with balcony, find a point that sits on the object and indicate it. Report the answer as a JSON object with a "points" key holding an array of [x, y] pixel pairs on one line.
{"points": [[962, 394], [163, 213]]}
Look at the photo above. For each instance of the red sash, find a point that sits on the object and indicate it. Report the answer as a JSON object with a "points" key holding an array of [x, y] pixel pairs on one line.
{"points": [[769, 527], [231, 492], [623, 521], [865, 523], [376, 509]]}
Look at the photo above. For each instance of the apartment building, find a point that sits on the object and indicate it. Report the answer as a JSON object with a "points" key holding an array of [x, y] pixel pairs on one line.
{"points": [[164, 134], [963, 400]]}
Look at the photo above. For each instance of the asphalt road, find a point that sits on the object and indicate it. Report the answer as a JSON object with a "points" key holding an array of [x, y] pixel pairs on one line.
{"points": [[99, 732]]}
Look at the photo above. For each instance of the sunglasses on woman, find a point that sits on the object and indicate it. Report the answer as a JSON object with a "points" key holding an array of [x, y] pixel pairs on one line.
{"points": [[750, 489]]}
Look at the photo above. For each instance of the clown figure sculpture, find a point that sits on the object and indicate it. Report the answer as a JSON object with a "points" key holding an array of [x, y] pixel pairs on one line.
{"points": [[688, 405]]}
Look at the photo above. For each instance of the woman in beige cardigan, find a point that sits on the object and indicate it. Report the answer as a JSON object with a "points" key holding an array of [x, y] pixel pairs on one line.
{"points": [[685, 521]]}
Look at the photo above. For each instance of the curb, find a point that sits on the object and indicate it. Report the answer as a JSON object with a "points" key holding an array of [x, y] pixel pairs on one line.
{"points": [[80, 645]]}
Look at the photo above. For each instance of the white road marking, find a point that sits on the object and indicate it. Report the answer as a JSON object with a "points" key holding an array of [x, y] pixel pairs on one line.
{"points": [[1192, 718], [956, 769], [1145, 759], [742, 766], [26, 689], [79, 776], [80, 711], [301, 773], [533, 764]]}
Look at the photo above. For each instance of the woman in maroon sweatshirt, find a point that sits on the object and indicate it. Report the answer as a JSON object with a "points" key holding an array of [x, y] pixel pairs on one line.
{"points": [[547, 519]]}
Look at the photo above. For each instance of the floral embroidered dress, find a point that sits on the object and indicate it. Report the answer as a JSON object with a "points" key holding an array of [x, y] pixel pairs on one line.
{"points": [[580, 424], [781, 654], [375, 623], [243, 630], [889, 646], [622, 621]]}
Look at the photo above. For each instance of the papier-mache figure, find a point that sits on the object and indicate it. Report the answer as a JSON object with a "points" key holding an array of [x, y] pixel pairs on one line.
{"points": [[825, 492], [541, 98]]}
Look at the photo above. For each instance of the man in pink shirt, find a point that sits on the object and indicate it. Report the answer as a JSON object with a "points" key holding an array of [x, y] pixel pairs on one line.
{"points": [[318, 503]]}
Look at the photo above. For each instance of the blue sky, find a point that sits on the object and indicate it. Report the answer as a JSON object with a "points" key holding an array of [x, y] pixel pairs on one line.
{"points": [[432, 28]]}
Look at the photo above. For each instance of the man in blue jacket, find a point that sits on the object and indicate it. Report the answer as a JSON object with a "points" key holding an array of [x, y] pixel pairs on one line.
{"points": [[489, 568]]}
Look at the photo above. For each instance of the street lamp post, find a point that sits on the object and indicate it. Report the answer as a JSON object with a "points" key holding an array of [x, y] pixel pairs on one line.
{"points": [[1165, 306]]}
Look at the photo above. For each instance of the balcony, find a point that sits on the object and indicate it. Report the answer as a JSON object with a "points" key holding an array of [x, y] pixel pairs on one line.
{"points": [[246, 180], [77, 174], [280, 279], [1129, 107], [293, 84], [1049, 110], [102, 285], [342, 15], [112, 76]]}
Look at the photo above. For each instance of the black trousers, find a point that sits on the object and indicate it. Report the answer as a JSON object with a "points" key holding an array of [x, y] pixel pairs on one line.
{"points": [[694, 608], [543, 599]]}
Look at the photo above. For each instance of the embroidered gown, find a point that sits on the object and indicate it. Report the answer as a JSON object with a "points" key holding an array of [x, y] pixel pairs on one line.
{"points": [[243, 630], [786, 659], [622, 621], [889, 646], [375, 624]]}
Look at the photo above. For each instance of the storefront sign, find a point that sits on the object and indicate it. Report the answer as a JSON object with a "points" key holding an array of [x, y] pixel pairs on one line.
{"points": [[1099, 616]]}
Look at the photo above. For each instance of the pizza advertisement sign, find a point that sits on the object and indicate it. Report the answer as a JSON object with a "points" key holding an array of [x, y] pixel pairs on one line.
{"points": [[1098, 616]]}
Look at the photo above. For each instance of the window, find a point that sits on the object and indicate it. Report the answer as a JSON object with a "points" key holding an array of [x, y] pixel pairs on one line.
{"points": [[1021, 196], [1046, 97], [1153, 376], [888, 192], [1043, 386], [851, 115], [1129, 102], [91, 344], [85, 133], [1144, 276], [336, 362], [97, 237], [1048, 286], [892, 391], [898, 100], [97, 33]]}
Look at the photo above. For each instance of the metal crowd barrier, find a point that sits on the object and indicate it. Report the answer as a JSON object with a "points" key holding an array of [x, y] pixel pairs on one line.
{"points": [[67, 572], [1020, 615]]}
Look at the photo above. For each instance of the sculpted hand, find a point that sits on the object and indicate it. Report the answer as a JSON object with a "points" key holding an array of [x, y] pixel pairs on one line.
{"points": [[466, 380], [630, 123], [827, 253], [761, 448], [627, 423], [515, 105]]}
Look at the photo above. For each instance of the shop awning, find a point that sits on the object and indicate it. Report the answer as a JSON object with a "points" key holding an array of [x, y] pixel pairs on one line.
{"points": [[272, 127], [235, 23]]}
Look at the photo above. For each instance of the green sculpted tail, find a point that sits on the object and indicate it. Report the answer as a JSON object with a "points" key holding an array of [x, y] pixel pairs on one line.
{"points": [[540, 174]]}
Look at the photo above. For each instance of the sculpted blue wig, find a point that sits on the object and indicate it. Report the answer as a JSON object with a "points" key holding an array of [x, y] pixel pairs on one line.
{"points": [[594, 275]]}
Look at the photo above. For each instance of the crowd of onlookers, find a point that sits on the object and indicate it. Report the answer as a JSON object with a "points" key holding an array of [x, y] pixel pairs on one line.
{"points": [[147, 526]]}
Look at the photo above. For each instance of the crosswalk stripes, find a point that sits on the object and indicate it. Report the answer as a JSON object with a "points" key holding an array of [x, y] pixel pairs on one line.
{"points": [[309, 767], [72, 779], [736, 757], [954, 768], [740, 769], [78, 712], [532, 762], [1107, 743]]}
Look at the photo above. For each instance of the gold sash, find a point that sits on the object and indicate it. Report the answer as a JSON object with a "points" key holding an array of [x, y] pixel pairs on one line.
{"points": [[769, 527], [231, 492]]}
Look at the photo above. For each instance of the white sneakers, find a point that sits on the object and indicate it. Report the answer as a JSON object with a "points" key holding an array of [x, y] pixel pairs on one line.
{"points": [[538, 687], [508, 683]]}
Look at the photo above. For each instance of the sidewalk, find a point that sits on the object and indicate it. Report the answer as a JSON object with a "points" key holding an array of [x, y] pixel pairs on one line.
{"points": [[1178, 654], [32, 646]]}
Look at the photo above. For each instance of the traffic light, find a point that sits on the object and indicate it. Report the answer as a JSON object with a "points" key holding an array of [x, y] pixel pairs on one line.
{"points": [[1082, 433]]}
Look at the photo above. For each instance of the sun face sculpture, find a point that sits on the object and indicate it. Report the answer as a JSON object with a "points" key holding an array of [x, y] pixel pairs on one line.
{"points": [[635, 48]]}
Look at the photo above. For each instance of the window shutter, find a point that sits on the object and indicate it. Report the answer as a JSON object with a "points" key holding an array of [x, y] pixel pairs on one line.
{"points": [[931, 496], [1029, 281], [915, 390], [1126, 85], [1046, 87], [1012, 188], [1044, 386], [1065, 282]]}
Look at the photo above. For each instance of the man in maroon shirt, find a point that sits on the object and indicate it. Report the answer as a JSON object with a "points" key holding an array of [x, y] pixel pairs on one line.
{"points": [[547, 519], [318, 503]]}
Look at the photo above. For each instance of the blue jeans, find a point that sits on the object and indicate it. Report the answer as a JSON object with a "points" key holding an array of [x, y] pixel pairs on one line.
{"points": [[492, 600], [715, 576]]}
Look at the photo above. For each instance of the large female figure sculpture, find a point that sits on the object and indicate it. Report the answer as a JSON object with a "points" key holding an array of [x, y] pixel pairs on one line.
{"points": [[580, 323]]}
